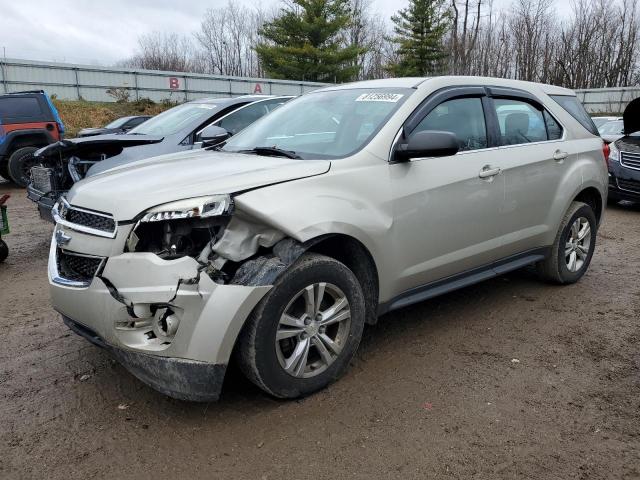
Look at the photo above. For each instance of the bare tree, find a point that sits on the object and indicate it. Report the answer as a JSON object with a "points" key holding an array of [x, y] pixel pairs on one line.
{"points": [[369, 32], [464, 34], [597, 46], [227, 38], [163, 51]]}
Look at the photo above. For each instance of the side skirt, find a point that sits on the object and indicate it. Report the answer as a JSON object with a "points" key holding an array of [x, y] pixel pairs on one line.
{"points": [[464, 279]]}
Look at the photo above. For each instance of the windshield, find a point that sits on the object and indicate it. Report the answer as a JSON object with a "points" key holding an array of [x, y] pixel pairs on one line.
{"points": [[612, 128], [117, 123], [330, 124], [175, 119]]}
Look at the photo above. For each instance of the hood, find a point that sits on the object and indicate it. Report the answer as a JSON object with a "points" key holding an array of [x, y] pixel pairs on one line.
{"points": [[631, 117], [127, 191], [136, 153], [86, 145]]}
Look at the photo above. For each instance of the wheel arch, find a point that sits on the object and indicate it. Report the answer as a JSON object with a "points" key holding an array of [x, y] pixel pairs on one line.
{"points": [[352, 253], [25, 138], [592, 197]]}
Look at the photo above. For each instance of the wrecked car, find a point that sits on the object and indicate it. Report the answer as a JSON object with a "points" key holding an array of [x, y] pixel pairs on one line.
{"points": [[624, 158], [351, 201], [119, 125], [192, 125]]}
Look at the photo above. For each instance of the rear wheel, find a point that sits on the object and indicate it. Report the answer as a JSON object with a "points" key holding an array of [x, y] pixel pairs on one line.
{"points": [[20, 163], [573, 247], [305, 331]]}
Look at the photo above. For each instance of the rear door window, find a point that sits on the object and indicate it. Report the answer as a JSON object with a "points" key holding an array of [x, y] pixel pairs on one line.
{"points": [[572, 105], [521, 122], [462, 116], [554, 129]]}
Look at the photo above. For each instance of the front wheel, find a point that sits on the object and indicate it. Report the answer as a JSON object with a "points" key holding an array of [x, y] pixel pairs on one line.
{"points": [[305, 331], [20, 163], [573, 247]]}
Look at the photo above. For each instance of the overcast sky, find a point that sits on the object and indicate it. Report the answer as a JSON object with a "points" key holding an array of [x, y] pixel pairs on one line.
{"points": [[102, 32]]}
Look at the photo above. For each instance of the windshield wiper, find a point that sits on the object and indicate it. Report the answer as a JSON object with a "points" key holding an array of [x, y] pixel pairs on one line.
{"points": [[273, 152]]}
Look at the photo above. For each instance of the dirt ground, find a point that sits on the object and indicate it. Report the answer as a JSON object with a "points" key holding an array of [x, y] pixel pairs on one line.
{"points": [[510, 378]]}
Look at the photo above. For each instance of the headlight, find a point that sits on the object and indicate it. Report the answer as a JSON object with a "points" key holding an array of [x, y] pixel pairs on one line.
{"points": [[200, 207], [614, 153]]}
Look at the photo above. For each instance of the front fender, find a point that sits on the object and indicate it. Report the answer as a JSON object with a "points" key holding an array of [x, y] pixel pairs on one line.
{"points": [[338, 202]]}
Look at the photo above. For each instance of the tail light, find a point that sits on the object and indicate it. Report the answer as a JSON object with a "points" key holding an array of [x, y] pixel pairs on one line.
{"points": [[606, 151]]}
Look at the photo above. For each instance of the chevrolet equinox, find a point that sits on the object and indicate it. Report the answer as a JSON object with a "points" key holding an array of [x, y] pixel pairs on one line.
{"points": [[276, 248]]}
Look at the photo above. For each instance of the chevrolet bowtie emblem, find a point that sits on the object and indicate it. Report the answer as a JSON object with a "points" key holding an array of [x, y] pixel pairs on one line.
{"points": [[62, 238]]}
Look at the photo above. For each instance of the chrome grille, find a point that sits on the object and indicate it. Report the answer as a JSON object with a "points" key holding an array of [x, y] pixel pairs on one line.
{"points": [[43, 179], [630, 160], [83, 220], [77, 267], [629, 185], [99, 222]]}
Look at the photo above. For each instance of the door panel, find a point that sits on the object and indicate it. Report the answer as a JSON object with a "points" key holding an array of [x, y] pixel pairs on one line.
{"points": [[534, 160], [447, 210], [447, 219]]}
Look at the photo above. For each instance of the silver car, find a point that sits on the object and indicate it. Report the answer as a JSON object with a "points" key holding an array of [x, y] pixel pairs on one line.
{"points": [[351, 201]]}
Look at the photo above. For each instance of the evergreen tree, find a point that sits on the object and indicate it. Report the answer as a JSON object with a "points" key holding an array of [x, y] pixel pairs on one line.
{"points": [[307, 42], [419, 33]]}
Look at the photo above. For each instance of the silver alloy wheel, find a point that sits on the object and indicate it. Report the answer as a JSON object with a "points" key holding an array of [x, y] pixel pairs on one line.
{"points": [[313, 330], [578, 244]]}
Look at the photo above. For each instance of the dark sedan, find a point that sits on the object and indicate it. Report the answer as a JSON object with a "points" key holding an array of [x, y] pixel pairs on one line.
{"points": [[184, 127], [624, 158], [119, 125]]}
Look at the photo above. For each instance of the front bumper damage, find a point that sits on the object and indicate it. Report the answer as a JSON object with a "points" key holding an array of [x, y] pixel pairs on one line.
{"points": [[45, 201], [176, 377], [123, 308]]}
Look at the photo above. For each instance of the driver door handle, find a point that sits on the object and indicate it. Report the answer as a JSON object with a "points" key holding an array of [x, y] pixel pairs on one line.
{"points": [[560, 155], [488, 171]]}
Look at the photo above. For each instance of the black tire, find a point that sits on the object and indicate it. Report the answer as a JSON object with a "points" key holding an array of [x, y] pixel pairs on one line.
{"points": [[4, 169], [20, 163], [256, 348], [4, 250], [554, 268]]}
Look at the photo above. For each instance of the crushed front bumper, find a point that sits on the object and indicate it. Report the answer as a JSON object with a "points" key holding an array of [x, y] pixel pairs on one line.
{"points": [[176, 377], [122, 308]]}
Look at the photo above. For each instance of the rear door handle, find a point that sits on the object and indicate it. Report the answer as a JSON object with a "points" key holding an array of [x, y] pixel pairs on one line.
{"points": [[488, 171], [560, 155]]}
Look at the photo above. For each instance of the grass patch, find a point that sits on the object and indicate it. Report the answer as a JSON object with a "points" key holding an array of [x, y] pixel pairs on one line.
{"points": [[79, 114]]}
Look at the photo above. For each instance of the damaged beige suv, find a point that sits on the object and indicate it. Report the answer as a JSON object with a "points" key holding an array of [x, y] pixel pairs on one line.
{"points": [[351, 201]]}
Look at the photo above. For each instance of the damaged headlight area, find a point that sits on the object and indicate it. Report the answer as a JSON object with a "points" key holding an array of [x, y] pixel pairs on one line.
{"points": [[182, 228], [229, 246]]}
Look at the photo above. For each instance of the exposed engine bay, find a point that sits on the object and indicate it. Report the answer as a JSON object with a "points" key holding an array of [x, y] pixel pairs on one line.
{"points": [[229, 249]]}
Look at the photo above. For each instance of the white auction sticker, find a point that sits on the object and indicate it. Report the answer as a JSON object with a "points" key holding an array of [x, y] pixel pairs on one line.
{"points": [[379, 97]]}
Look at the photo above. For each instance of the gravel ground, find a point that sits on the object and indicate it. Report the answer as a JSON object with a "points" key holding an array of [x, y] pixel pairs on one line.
{"points": [[510, 378]]}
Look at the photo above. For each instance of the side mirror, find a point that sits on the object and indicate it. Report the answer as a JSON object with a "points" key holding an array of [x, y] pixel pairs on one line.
{"points": [[428, 143], [212, 135]]}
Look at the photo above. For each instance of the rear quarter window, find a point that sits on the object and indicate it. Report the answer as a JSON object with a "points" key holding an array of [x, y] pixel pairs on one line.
{"points": [[573, 106], [19, 108]]}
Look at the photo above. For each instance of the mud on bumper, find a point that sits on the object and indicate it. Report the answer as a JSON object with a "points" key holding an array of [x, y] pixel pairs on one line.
{"points": [[176, 377]]}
